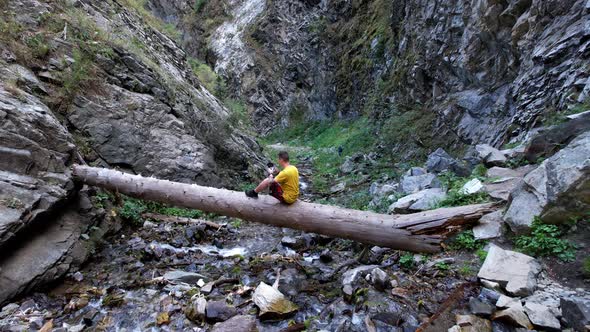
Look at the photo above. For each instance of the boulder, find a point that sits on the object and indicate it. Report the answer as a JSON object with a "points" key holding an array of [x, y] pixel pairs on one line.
{"points": [[414, 171], [423, 200], [297, 242], [556, 191], [339, 187], [507, 301], [504, 180], [219, 311], [514, 315], [413, 183], [352, 163], [552, 139], [378, 191], [541, 316], [240, 323], [490, 155], [490, 226], [516, 272], [576, 312], [440, 161]]}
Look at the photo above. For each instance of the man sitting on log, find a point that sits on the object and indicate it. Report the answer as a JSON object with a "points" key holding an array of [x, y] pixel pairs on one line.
{"points": [[285, 186]]}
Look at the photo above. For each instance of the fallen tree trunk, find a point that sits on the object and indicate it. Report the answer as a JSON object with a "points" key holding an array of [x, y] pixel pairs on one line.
{"points": [[419, 232]]}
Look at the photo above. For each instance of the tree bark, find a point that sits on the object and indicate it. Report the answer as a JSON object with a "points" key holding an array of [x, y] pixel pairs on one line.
{"points": [[418, 232]]}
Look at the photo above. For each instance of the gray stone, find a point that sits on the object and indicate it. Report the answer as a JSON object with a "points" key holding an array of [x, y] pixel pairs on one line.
{"points": [[473, 323], [423, 200], [196, 310], [541, 316], [514, 315], [413, 184], [219, 311], [414, 171], [480, 308], [239, 323], [440, 161], [556, 191], [490, 226], [183, 276], [576, 312], [516, 272], [507, 301], [379, 279], [339, 187], [490, 155], [350, 277]]}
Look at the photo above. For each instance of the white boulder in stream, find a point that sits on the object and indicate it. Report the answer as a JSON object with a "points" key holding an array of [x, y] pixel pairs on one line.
{"points": [[271, 302], [516, 272]]}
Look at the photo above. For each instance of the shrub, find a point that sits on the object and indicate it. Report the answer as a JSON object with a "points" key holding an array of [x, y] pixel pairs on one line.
{"points": [[132, 210], [482, 254], [544, 241], [466, 240], [199, 4], [406, 261], [442, 266]]}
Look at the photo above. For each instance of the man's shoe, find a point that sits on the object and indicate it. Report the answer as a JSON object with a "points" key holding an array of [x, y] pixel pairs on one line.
{"points": [[251, 193]]}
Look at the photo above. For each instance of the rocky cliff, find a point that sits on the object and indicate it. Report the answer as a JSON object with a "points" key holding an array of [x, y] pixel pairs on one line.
{"points": [[476, 71], [95, 82]]}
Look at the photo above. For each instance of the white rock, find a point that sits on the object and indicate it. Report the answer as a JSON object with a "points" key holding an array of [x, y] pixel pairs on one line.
{"points": [[472, 187], [272, 302], [514, 315], [507, 301], [541, 316], [420, 201], [490, 155], [518, 272]]}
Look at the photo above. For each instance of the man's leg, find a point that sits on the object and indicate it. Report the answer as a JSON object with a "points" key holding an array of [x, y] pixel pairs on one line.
{"points": [[263, 185]]}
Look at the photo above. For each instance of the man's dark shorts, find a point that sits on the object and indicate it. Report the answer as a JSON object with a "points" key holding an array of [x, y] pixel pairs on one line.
{"points": [[277, 192]]}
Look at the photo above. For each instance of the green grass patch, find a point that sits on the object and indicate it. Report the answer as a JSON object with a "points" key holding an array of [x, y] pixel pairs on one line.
{"points": [[133, 209], [407, 261], [466, 241], [544, 240], [555, 117], [455, 195]]}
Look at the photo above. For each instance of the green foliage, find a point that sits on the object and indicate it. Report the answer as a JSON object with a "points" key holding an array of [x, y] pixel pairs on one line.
{"points": [[132, 210], [236, 223], [466, 240], [406, 261], [481, 254], [442, 266], [412, 127], [198, 6], [455, 197], [139, 6], [78, 74], [466, 270], [38, 46], [359, 201], [480, 171], [555, 117], [544, 241], [207, 77]]}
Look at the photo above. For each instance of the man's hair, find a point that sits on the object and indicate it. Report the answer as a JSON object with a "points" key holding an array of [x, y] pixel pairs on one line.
{"points": [[284, 155]]}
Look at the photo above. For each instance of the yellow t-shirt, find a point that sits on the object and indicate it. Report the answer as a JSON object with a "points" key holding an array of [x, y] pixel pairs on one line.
{"points": [[288, 178]]}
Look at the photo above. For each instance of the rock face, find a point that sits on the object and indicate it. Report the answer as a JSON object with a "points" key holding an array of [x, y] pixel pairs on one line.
{"points": [[516, 272], [556, 191], [115, 105], [440, 161], [490, 155], [576, 312]]}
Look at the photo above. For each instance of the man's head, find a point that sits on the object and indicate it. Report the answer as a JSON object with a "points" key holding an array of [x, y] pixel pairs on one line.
{"points": [[283, 158]]}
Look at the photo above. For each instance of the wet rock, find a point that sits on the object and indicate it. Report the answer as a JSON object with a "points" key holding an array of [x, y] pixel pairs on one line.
{"points": [[183, 276], [480, 308], [576, 312], [219, 311], [271, 302], [490, 226], [541, 316], [196, 310], [326, 256], [471, 187], [420, 201], [379, 279], [240, 323], [350, 278], [490, 155], [415, 183], [514, 315], [489, 296], [293, 242], [473, 323], [440, 161], [515, 271], [555, 190]]}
